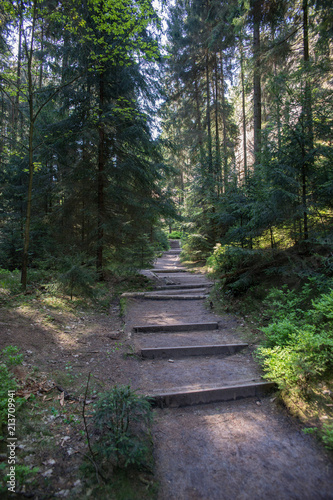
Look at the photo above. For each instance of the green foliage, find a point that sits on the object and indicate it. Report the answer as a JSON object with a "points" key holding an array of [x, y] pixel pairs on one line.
{"points": [[9, 357], [195, 247], [227, 259], [23, 475], [123, 419], [160, 240], [175, 235], [9, 282], [76, 276], [299, 344], [237, 266], [325, 434]]}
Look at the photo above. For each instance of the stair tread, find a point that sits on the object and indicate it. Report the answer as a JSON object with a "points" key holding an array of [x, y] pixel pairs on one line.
{"points": [[210, 386]]}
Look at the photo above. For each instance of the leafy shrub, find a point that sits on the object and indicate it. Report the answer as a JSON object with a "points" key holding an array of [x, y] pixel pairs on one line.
{"points": [[325, 434], [195, 248], [9, 282], [160, 240], [9, 357], [175, 235], [11, 246], [76, 276], [123, 418], [228, 259], [24, 474], [279, 334], [299, 342]]}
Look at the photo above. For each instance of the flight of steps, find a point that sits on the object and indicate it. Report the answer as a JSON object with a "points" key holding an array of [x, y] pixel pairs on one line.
{"points": [[187, 363]]}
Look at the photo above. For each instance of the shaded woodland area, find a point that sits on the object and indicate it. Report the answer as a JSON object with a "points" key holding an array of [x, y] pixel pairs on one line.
{"points": [[245, 152], [123, 124], [250, 113], [81, 175]]}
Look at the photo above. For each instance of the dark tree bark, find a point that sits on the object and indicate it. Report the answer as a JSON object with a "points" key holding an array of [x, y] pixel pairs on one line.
{"points": [[100, 182], [32, 117], [209, 130], [307, 147], [243, 111], [225, 137], [256, 12]]}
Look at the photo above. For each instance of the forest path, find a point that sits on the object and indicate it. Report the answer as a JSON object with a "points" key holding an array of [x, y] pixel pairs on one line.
{"points": [[244, 449]]}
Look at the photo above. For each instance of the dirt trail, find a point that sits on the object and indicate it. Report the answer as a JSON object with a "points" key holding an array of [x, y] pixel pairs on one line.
{"points": [[245, 449]]}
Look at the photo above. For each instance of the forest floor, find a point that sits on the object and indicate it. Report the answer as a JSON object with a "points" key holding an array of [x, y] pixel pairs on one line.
{"points": [[246, 449]]}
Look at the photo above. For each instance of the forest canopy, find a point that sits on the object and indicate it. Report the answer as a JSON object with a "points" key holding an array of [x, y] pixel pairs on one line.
{"points": [[246, 120], [249, 109], [81, 174]]}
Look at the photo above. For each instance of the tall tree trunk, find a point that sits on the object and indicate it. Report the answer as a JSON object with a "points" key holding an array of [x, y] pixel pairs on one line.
{"points": [[209, 130], [41, 57], [30, 52], [256, 80], [278, 111], [198, 117], [100, 181], [243, 111], [225, 137], [307, 119], [217, 136], [18, 76]]}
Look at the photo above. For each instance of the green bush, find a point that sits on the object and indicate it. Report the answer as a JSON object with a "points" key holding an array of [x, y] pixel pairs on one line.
{"points": [[325, 434], [24, 475], [160, 240], [195, 247], [175, 235], [299, 342], [77, 276], [123, 419], [9, 357], [9, 282], [228, 259]]}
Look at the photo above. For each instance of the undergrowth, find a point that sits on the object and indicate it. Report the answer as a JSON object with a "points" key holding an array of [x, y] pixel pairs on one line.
{"points": [[9, 357], [289, 296], [123, 419]]}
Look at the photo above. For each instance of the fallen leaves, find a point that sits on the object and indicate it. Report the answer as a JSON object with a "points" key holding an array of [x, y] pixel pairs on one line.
{"points": [[34, 387]]}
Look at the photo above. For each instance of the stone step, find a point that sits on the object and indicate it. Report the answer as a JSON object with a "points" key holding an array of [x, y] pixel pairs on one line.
{"points": [[169, 270], [154, 296], [196, 372], [176, 327], [198, 290], [173, 251], [183, 339], [184, 351], [184, 287], [180, 275], [203, 395], [174, 243]]}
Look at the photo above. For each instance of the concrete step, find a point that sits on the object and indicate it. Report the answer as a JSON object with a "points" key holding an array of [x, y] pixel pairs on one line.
{"points": [[197, 350], [184, 287], [196, 396], [198, 290], [176, 327], [169, 270], [173, 251], [155, 296], [174, 243], [166, 374], [183, 339]]}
